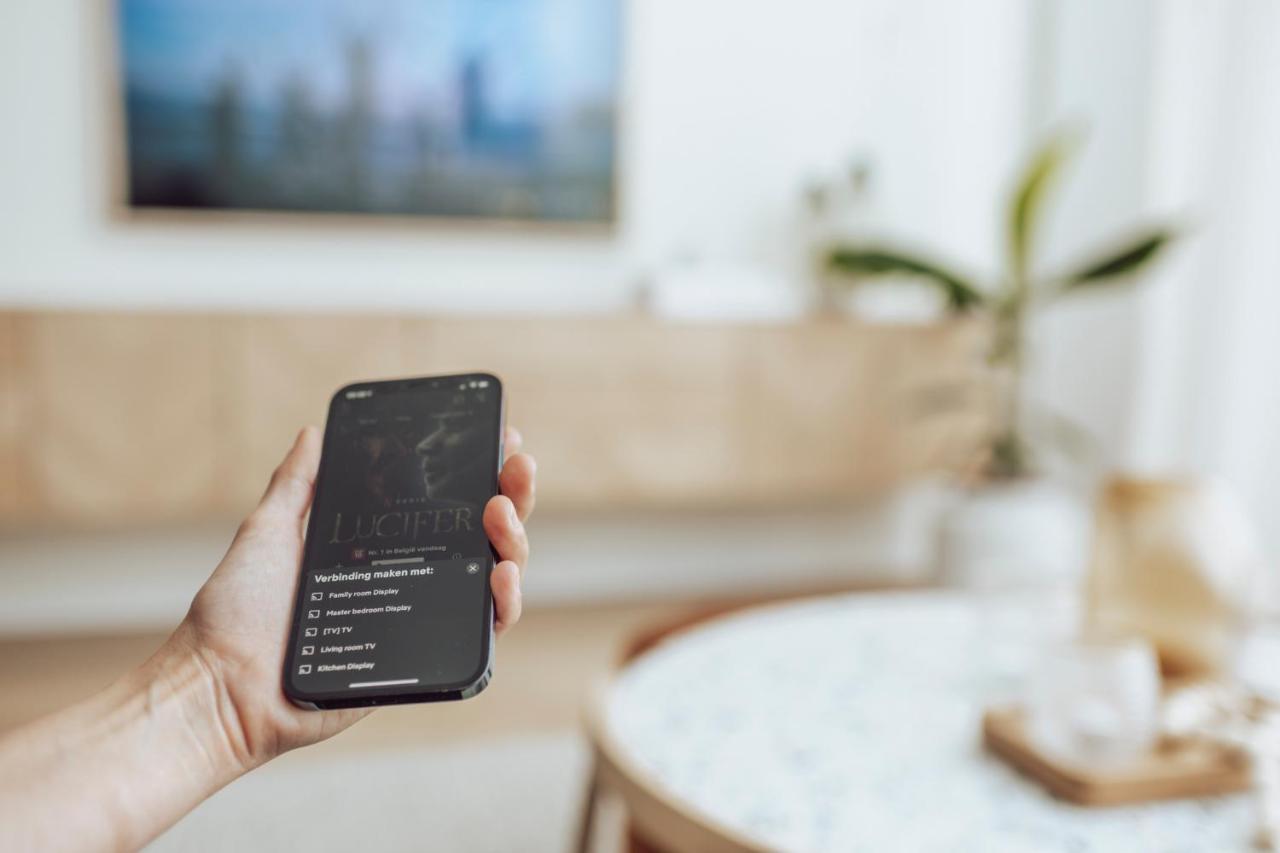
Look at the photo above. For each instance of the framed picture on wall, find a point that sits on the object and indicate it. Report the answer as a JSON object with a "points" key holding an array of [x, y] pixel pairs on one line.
{"points": [[465, 109]]}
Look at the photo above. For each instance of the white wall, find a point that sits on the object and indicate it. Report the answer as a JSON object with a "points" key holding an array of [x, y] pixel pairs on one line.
{"points": [[1178, 378], [1211, 401], [729, 107], [1097, 82]]}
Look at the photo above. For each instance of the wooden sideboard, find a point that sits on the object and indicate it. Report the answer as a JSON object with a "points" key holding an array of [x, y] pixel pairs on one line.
{"points": [[110, 419]]}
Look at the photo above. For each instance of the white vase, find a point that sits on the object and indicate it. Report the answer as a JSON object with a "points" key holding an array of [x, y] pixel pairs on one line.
{"points": [[1015, 544], [1011, 535]]}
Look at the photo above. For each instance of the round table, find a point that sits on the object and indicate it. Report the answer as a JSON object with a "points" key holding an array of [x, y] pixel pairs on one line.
{"points": [[852, 723]]}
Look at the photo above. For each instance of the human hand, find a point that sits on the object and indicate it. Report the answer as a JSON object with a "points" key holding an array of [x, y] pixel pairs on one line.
{"points": [[238, 624]]}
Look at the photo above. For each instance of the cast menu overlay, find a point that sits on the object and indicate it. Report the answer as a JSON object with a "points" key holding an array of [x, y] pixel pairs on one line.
{"points": [[393, 623]]}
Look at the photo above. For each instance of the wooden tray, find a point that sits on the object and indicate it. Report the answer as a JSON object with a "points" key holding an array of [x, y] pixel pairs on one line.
{"points": [[1172, 770]]}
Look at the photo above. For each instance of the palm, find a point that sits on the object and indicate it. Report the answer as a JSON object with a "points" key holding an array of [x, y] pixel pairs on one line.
{"points": [[241, 615]]}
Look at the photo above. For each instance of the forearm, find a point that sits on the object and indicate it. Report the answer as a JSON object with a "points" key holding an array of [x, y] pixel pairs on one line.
{"points": [[116, 770]]}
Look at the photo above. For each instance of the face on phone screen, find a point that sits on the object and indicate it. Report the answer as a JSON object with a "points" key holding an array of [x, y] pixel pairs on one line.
{"points": [[394, 597]]}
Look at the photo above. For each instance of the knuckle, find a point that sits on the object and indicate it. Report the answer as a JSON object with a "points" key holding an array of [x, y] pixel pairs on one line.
{"points": [[286, 480]]}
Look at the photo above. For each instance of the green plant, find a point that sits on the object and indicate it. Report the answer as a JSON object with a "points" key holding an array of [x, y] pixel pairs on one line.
{"points": [[1009, 299]]}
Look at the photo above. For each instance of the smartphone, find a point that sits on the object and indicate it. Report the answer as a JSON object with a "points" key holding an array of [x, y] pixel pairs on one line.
{"points": [[393, 602]]}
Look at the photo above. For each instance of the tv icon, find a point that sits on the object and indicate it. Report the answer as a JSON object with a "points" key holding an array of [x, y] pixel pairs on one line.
{"points": [[317, 596], [305, 669], [313, 614]]}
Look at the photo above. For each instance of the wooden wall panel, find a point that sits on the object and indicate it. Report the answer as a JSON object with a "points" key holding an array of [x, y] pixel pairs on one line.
{"points": [[123, 426], [618, 410], [944, 397], [283, 370], [839, 410], [115, 418], [807, 405], [15, 413]]}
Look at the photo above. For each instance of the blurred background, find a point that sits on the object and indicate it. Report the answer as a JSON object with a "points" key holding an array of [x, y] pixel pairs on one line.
{"points": [[774, 290]]}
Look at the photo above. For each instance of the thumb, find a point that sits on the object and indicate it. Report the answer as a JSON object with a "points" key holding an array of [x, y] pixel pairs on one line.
{"points": [[288, 494]]}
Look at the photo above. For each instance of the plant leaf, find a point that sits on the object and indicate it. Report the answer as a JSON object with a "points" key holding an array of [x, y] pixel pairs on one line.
{"points": [[1027, 201], [1128, 259], [961, 295]]}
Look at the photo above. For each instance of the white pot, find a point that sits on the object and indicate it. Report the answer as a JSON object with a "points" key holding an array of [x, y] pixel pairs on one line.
{"points": [[1016, 535]]}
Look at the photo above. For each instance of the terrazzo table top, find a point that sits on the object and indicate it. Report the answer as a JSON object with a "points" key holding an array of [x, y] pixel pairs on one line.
{"points": [[852, 723]]}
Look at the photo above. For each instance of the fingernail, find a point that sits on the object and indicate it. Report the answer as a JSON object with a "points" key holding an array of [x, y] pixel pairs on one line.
{"points": [[511, 515]]}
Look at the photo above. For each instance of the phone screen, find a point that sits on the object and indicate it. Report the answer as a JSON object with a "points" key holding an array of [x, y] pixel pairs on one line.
{"points": [[393, 602]]}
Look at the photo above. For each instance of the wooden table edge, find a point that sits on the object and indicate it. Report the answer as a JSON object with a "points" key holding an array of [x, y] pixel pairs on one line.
{"points": [[656, 814]]}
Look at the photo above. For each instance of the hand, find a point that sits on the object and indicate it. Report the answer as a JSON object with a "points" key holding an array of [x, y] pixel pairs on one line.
{"points": [[113, 771], [238, 624]]}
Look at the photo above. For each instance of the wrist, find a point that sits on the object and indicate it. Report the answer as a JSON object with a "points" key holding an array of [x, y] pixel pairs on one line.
{"points": [[186, 693], [115, 770]]}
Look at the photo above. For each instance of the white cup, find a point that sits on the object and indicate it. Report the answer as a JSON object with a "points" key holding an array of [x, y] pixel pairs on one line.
{"points": [[1095, 702]]}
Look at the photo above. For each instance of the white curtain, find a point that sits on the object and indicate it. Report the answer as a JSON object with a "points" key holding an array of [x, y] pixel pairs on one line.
{"points": [[1206, 395], [1181, 100]]}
